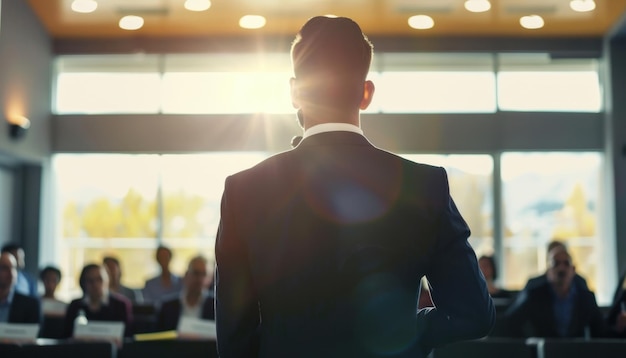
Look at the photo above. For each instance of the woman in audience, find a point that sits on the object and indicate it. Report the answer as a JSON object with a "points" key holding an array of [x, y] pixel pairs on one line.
{"points": [[488, 266], [50, 276], [97, 302]]}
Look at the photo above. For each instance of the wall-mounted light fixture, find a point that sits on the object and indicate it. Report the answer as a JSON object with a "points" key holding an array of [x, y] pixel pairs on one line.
{"points": [[18, 126]]}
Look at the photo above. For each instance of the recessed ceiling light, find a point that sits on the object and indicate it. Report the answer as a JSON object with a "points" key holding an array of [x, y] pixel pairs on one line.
{"points": [[582, 5], [477, 5], [252, 22], [131, 22], [197, 5], [84, 6], [421, 22], [531, 22]]}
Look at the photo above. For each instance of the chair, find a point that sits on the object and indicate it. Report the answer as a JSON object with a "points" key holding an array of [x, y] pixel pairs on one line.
{"points": [[52, 327], [487, 348], [568, 348], [144, 318]]}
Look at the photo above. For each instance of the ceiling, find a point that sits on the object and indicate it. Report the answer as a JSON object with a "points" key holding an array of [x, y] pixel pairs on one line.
{"points": [[285, 17]]}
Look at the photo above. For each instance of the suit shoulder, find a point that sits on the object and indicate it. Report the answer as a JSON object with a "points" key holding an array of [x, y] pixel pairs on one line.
{"points": [[26, 300]]}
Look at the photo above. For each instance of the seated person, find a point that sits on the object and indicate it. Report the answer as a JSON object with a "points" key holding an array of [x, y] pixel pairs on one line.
{"points": [[14, 306], [541, 279], [97, 302], [488, 267], [558, 307], [50, 276], [26, 284], [114, 270], [195, 300], [165, 283]]}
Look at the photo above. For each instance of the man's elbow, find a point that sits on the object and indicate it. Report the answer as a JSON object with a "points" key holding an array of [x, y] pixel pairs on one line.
{"points": [[485, 321]]}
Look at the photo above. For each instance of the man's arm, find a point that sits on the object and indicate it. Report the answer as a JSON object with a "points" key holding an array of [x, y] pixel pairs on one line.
{"points": [[464, 309], [236, 303]]}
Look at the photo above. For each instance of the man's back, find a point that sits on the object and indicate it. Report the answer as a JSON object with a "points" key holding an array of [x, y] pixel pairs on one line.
{"points": [[327, 244]]}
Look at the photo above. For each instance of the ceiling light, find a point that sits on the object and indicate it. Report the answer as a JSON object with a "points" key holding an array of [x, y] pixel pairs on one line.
{"points": [[131, 22], [197, 5], [252, 22], [531, 22], [477, 5], [421, 22], [84, 6], [582, 5]]}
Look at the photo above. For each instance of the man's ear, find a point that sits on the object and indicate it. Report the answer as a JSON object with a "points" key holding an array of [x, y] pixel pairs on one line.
{"points": [[368, 94], [295, 95]]}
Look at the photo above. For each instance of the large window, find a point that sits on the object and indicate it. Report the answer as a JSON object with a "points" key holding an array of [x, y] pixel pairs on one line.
{"points": [[128, 204], [552, 196], [255, 83]]}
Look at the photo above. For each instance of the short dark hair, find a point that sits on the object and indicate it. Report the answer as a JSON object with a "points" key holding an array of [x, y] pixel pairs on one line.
{"points": [[332, 57], [49, 269], [83, 273], [162, 247], [556, 243], [111, 259], [10, 247]]}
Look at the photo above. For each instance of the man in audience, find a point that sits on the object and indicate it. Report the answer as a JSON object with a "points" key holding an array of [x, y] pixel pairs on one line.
{"points": [[557, 307], [112, 265], [14, 306], [194, 301], [26, 284], [541, 279], [165, 283], [320, 249]]}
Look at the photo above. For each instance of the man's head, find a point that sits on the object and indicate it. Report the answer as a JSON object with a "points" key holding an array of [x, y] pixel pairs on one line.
{"points": [[196, 277], [18, 253], [94, 282], [164, 257], [113, 268], [331, 58], [50, 277], [487, 265], [8, 273], [561, 269]]}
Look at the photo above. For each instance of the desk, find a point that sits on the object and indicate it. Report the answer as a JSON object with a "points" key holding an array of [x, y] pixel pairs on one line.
{"points": [[169, 349]]}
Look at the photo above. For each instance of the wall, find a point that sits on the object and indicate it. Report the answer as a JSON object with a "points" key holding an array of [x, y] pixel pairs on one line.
{"points": [[25, 74]]}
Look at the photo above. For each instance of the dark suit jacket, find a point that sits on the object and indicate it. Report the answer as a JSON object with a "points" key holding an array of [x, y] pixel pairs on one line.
{"points": [[118, 309], [614, 311], [534, 308], [320, 251], [25, 309], [170, 312]]}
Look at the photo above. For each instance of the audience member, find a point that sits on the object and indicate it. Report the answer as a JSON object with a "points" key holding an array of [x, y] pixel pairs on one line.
{"points": [[541, 279], [14, 306], [166, 282], [114, 270], [489, 269], [558, 307], [26, 283], [616, 318], [97, 302], [50, 277], [194, 301], [320, 249]]}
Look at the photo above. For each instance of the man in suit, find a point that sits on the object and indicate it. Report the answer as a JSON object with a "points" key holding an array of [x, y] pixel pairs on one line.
{"points": [[195, 300], [557, 307], [26, 283], [14, 306], [320, 249], [543, 278]]}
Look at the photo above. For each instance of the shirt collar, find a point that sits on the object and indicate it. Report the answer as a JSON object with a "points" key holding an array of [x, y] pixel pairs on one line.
{"points": [[332, 127]]}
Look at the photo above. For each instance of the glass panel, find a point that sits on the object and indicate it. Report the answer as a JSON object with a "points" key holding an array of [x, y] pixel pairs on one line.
{"points": [[108, 93], [106, 203], [550, 196], [471, 187], [423, 92], [192, 187], [226, 92]]}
